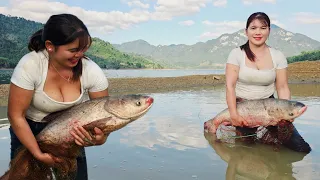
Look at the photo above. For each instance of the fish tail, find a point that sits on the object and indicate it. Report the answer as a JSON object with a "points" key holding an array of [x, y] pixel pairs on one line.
{"points": [[25, 166]]}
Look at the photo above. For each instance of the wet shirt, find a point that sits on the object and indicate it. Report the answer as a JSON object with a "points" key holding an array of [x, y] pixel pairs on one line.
{"points": [[31, 73], [254, 83]]}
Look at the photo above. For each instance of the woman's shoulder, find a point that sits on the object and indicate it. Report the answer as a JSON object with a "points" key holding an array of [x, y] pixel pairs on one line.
{"points": [[236, 50], [276, 51], [89, 64], [279, 58], [32, 59], [90, 68], [235, 56]]}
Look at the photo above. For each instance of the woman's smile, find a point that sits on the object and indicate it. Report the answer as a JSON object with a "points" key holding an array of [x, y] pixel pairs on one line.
{"points": [[257, 38], [74, 61]]}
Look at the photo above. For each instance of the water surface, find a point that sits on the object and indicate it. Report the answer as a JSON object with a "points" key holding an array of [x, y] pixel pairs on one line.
{"points": [[169, 143]]}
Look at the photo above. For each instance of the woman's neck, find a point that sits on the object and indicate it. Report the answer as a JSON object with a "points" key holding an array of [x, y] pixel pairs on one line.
{"points": [[258, 49]]}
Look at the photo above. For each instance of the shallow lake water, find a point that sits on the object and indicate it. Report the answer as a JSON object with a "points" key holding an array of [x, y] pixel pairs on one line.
{"points": [[169, 143]]}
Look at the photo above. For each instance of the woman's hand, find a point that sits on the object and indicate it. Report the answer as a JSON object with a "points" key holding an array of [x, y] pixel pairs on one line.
{"points": [[238, 120], [84, 138], [48, 159]]}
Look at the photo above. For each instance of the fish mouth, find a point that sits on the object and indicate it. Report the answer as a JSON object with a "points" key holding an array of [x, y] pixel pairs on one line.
{"points": [[302, 110], [206, 126]]}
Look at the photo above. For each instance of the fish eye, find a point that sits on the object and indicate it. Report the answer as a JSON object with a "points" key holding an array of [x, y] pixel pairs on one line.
{"points": [[290, 114], [138, 103]]}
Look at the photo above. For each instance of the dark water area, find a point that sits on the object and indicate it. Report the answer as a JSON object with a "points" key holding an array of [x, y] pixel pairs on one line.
{"points": [[169, 143]]}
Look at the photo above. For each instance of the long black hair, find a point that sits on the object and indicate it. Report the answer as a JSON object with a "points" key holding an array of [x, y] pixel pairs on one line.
{"points": [[62, 29], [263, 18]]}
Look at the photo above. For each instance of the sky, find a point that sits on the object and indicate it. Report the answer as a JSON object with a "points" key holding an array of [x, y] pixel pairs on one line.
{"points": [[165, 22]]}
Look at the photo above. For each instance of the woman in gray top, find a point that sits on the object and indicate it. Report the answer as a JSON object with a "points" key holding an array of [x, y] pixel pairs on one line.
{"points": [[256, 71]]}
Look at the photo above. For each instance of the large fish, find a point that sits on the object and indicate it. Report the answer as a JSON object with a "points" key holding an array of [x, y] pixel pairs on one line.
{"points": [[266, 112], [107, 113]]}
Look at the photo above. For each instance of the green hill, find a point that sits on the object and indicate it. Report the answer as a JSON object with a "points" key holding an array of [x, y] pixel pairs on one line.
{"points": [[305, 56], [106, 56], [15, 33]]}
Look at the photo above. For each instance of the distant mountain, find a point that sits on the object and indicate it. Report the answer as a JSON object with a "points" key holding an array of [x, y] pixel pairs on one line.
{"points": [[214, 53], [15, 33]]}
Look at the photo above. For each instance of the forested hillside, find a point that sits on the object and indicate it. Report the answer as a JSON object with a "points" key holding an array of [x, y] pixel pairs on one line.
{"points": [[305, 56], [15, 33]]}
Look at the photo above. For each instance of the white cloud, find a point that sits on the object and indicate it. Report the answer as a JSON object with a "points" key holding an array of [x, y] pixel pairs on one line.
{"points": [[207, 35], [104, 22], [307, 18], [278, 23], [219, 28], [219, 3], [187, 23], [231, 24], [138, 4], [249, 2], [167, 9]]}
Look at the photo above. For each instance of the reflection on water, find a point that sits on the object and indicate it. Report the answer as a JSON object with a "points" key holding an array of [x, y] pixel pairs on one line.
{"points": [[255, 161], [169, 143]]}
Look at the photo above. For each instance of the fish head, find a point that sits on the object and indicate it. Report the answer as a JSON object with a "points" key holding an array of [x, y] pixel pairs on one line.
{"points": [[209, 127], [128, 107], [292, 110]]}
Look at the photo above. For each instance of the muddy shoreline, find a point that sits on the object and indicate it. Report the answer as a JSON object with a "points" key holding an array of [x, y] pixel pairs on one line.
{"points": [[298, 73], [163, 84]]}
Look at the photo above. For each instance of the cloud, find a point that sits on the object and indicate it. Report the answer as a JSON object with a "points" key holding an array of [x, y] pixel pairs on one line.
{"points": [[105, 22], [278, 23], [167, 9], [138, 4], [186, 23], [219, 28], [206, 35], [220, 3], [307, 18], [249, 2], [231, 24]]}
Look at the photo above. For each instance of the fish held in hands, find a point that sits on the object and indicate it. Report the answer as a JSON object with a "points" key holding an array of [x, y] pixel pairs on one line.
{"points": [[108, 114], [264, 112]]}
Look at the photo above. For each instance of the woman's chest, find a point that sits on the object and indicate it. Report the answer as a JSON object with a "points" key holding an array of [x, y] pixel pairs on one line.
{"points": [[256, 77]]}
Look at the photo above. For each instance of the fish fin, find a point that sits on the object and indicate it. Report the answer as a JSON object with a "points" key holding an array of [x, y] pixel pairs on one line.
{"points": [[101, 123]]}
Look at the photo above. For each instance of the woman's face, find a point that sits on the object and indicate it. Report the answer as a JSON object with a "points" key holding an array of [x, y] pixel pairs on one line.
{"points": [[257, 32], [68, 55]]}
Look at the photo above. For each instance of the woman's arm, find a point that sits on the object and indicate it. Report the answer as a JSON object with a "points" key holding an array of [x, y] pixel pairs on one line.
{"points": [[18, 103], [282, 84], [232, 73], [98, 94]]}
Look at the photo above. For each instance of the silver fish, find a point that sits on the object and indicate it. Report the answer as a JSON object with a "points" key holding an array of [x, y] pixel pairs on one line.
{"points": [[265, 112], [107, 113]]}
